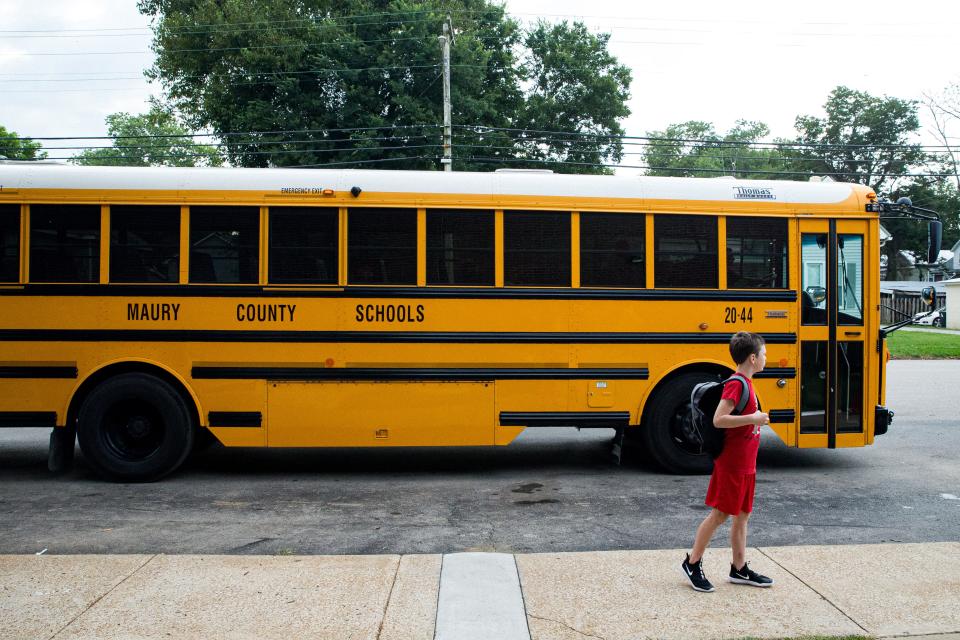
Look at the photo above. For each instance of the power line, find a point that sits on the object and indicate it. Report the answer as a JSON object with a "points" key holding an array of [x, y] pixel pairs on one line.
{"points": [[238, 133], [695, 169], [263, 153]]}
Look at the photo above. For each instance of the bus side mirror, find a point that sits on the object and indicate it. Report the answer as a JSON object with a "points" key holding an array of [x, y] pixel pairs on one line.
{"points": [[929, 296], [934, 238], [817, 294]]}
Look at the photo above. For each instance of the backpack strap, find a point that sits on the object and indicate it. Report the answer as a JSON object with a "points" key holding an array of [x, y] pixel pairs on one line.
{"points": [[744, 393]]}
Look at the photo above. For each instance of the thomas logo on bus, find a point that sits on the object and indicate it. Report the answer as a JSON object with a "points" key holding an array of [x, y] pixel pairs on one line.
{"points": [[753, 193]]}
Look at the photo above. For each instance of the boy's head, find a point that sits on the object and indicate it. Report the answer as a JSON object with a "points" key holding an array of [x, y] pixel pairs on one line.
{"points": [[744, 344]]}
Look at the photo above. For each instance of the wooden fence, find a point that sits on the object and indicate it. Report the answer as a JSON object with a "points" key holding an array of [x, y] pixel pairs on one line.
{"points": [[899, 305]]}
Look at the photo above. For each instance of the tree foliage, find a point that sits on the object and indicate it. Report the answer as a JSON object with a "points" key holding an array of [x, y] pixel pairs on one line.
{"points": [[154, 139], [695, 149], [13, 147], [312, 82], [863, 138]]}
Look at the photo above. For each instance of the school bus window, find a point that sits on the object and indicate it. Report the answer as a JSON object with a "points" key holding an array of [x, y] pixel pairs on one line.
{"points": [[303, 245], [382, 246], [460, 247], [144, 243], [9, 242], [224, 244], [64, 243], [612, 250], [685, 251], [536, 248], [756, 253]]}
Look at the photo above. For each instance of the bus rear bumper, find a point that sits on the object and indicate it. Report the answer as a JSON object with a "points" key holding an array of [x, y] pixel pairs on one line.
{"points": [[883, 420]]}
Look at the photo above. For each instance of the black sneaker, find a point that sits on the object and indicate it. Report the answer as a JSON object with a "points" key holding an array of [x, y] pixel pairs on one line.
{"points": [[694, 573], [746, 575]]}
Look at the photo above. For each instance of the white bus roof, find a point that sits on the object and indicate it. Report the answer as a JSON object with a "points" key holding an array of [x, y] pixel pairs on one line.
{"points": [[26, 175]]}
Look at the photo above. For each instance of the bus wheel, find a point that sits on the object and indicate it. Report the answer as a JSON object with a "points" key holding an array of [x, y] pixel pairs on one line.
{"points": [[667, 434], [135, 428]]}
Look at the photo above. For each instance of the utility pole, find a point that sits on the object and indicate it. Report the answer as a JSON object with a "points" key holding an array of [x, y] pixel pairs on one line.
{"points": [[445, 41]]}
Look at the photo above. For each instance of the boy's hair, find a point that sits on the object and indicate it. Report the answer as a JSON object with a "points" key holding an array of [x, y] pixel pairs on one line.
{"points": [[744, 343]]}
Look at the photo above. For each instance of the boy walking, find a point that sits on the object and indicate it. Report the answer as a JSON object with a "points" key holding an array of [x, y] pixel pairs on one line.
{"points": [[735, 470]]}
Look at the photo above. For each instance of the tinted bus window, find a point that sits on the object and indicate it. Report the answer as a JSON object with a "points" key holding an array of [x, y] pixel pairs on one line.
{"points": [[303, 245], [460, 247], [64, 243], [612, 250], [536, 248], [224, 244], [382, 246], [9, 242], [685, 251], [756, 253], [144, 244]]}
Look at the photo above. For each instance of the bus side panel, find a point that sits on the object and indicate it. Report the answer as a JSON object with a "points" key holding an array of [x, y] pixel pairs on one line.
{"points": [[528, 395], [371, 414], [29, 395], [234, 396]]}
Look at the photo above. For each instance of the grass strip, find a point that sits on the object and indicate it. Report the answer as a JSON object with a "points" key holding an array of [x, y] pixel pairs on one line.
{"points": [[923, 345]]}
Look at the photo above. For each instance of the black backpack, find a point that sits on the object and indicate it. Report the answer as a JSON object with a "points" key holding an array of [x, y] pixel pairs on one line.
{"points": [[704, 400]]}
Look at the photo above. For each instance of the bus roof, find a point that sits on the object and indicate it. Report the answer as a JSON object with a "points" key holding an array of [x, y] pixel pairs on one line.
{"points": [[28, 175]]}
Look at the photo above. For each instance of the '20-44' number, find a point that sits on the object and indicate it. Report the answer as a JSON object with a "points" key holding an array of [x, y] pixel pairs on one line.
{"points": [[734, 315]]}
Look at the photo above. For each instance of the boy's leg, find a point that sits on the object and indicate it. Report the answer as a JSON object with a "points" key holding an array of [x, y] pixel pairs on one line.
{"points": [[738, 538], [705, 532]]}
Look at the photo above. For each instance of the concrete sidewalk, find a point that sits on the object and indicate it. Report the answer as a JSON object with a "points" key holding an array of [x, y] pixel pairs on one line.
{"points": [[870, 590]]}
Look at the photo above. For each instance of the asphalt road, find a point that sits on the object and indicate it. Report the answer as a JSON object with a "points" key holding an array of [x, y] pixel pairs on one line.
{"points": [[552, 490]]}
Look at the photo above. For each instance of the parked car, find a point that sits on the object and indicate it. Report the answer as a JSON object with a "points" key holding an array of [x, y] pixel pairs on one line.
{"points": [[935, 318]]}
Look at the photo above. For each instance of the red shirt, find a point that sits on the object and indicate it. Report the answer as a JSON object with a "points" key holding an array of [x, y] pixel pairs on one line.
{"points": [[741, 443]]}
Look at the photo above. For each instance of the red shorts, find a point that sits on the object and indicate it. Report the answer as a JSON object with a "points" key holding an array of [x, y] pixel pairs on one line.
{"points": [[731, 493]]}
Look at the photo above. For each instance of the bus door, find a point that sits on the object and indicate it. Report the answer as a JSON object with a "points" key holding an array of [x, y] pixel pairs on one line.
{"points": [[832, 335]]}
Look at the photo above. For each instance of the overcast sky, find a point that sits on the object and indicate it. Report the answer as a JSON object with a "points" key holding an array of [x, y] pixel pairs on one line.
{"points": [[691, 59]]}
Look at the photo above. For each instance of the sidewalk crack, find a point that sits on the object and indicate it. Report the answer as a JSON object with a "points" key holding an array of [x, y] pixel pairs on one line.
{"points": [[523, 599], [564, 624], [109, 591], [386, 606], [808, 586]]}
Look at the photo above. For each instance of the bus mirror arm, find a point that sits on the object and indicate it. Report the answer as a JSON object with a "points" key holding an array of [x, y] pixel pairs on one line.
{"points": [[904, 208]]}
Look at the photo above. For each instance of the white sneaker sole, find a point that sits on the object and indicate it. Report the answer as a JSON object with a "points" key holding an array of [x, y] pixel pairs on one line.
{"points": [[742, 581], [695, 587]]}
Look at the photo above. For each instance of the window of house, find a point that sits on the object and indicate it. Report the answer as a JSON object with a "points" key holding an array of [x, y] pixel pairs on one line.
{"points": [[64, 243], [536, 248], [612, 250], [304, 245], [756, 253], [685, 251], [460, 247], [9, 243], [144, 243], [225, 245], [382, 246]]}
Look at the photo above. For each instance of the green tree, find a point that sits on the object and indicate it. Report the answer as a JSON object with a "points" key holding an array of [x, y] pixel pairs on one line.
{"points": [[13, 147], [863, 138], [353, 82], [150, 139], [695, 149], [575, 86]]}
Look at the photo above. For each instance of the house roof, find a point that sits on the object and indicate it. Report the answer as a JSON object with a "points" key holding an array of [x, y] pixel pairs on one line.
{"points": [[910, 286]]}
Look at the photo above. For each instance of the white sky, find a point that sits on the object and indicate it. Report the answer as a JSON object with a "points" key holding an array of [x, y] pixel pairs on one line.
{"points": [[691, 59]]}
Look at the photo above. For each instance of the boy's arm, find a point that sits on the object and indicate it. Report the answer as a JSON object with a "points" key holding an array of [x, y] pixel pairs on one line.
{"points": [[722, 418]]}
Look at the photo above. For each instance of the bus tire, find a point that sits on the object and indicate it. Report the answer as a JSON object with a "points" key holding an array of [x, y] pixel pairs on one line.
{"points": [[135, 427], [666, 432]]}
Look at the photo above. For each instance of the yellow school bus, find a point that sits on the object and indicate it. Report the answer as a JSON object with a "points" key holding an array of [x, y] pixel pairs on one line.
{"points": [[143, 310]]}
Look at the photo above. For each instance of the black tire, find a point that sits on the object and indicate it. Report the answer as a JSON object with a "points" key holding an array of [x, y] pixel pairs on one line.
{"points": [[667, 429], [135, 428], [937, 322]]}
